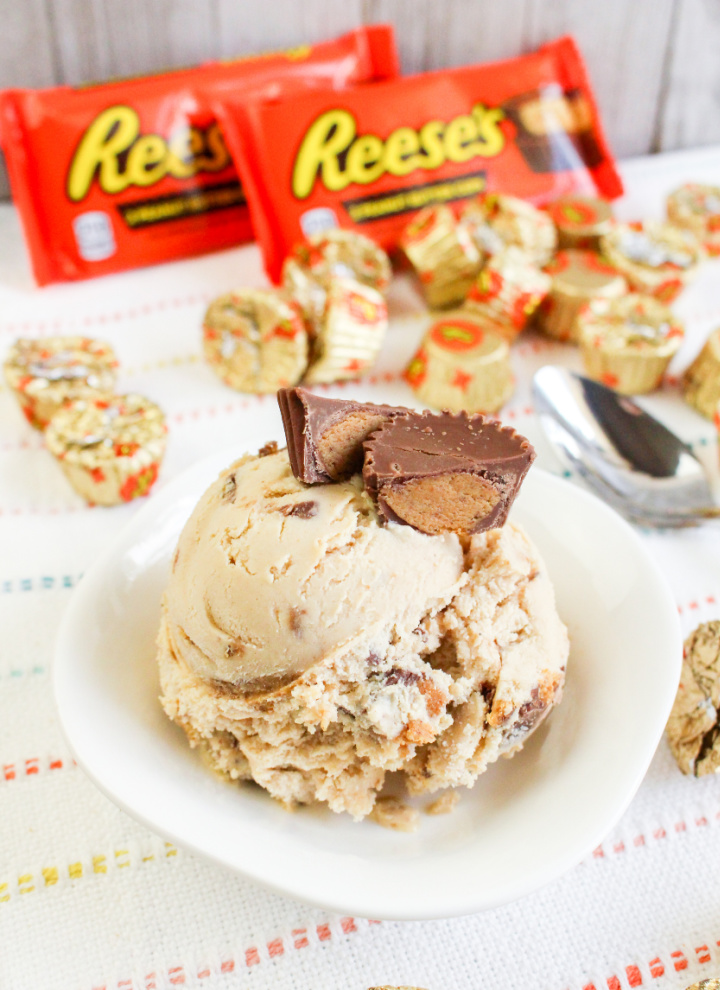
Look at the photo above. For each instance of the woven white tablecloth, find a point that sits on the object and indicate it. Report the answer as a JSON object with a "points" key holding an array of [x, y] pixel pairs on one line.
{"points": [[90, 899]]}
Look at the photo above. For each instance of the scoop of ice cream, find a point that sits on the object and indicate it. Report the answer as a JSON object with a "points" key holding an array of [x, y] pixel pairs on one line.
{"points": [[310, 648], [271, 577]]}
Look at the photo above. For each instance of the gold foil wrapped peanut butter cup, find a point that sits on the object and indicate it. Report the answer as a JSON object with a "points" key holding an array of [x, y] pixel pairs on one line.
{"points": [[627, 343], [313, 264], [693, 728], [443, 255], [463, 363], [701, 381], [514, 222], [656, 258], [43, 374], [255, 340], [696, 207], [578, 277], [348, 337], [109, 448], [580, 221], [508, 291]]}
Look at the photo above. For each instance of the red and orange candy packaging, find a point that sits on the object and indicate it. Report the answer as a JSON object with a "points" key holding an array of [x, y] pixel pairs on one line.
{"points": [[135, 172], [141, 171]]}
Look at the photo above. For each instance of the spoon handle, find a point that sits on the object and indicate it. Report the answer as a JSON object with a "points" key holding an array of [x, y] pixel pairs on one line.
{"points": [[675, 520]]}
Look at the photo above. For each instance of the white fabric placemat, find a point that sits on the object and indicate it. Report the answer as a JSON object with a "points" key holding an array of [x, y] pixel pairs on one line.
{"points": [[90, 899]]}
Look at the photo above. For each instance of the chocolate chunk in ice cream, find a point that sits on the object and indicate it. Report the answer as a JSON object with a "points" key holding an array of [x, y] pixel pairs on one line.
{"points": [[325, 436], [446, 473]]}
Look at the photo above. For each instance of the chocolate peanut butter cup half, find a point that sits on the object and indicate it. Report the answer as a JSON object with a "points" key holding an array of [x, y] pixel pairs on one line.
{"points": [[445, 473], [325, 436]]}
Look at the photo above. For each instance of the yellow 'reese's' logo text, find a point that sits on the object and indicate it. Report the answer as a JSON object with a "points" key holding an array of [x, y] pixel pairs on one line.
{"points": [[333, 152], [114, 149]]}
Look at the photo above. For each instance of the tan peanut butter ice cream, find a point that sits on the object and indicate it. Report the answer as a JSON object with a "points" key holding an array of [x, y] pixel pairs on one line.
{"points": [[310, 646], [289, 556]]}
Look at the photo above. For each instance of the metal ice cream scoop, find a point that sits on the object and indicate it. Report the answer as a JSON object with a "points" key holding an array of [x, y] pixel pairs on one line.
{"points": [[629, 458]]}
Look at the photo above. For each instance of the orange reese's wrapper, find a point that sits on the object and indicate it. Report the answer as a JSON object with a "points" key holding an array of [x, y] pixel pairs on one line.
{"points": [[369, 157], [134, 172]]}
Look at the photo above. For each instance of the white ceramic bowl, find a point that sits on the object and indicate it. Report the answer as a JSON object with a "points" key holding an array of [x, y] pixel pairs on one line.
{"points": [[527, 819]]}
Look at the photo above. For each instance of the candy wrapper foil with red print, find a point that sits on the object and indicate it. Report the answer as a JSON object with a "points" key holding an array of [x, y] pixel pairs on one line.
{"points": [[369, 157], [581, 221], [443, 254], [135, 172], [701, 380], [311, 265], [462, 364], [109, 448], [697, 208], [45, 373], [348, 337], [655, 258], [255, 340], [514, 223], [508, 291], [628, 342], [692, 729], [578, 277]]}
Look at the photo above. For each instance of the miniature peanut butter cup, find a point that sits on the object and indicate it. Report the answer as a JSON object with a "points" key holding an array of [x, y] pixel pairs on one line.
{"points": [[508, 291], [255, 340], [580, 221], [515, 223], [656, 258], [696, 207], [693, 729], [443, 254], [701, 381], [313, 264], [445, 473], [109, 448], [44, 374], [578, 277], [347, 337], [325, 436], [462, 364], [627, 343]]}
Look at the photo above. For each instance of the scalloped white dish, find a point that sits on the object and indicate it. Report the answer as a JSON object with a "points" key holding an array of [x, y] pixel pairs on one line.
{"points": [[526, 821]]}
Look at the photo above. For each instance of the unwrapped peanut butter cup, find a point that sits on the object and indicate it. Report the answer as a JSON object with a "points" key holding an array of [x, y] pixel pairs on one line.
{"points": [[445, 473], [325, 436]]}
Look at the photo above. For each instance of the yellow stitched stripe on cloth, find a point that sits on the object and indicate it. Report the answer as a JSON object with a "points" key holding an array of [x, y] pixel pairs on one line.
{"points": [[27, 883]]}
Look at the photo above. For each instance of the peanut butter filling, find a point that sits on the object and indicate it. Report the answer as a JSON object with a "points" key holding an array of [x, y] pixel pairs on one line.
{"points": [[340, 446], [448, 503]]}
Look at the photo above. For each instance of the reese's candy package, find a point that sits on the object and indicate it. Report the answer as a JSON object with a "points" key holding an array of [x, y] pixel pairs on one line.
{"points": [[369, 157], [134, 172]]}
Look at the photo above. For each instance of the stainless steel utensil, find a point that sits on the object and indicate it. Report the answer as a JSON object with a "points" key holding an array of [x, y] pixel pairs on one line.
{"points": [[629, 458]]}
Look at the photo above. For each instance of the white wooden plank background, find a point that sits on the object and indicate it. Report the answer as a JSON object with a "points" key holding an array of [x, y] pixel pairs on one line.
{"points": [[654, 63]]}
